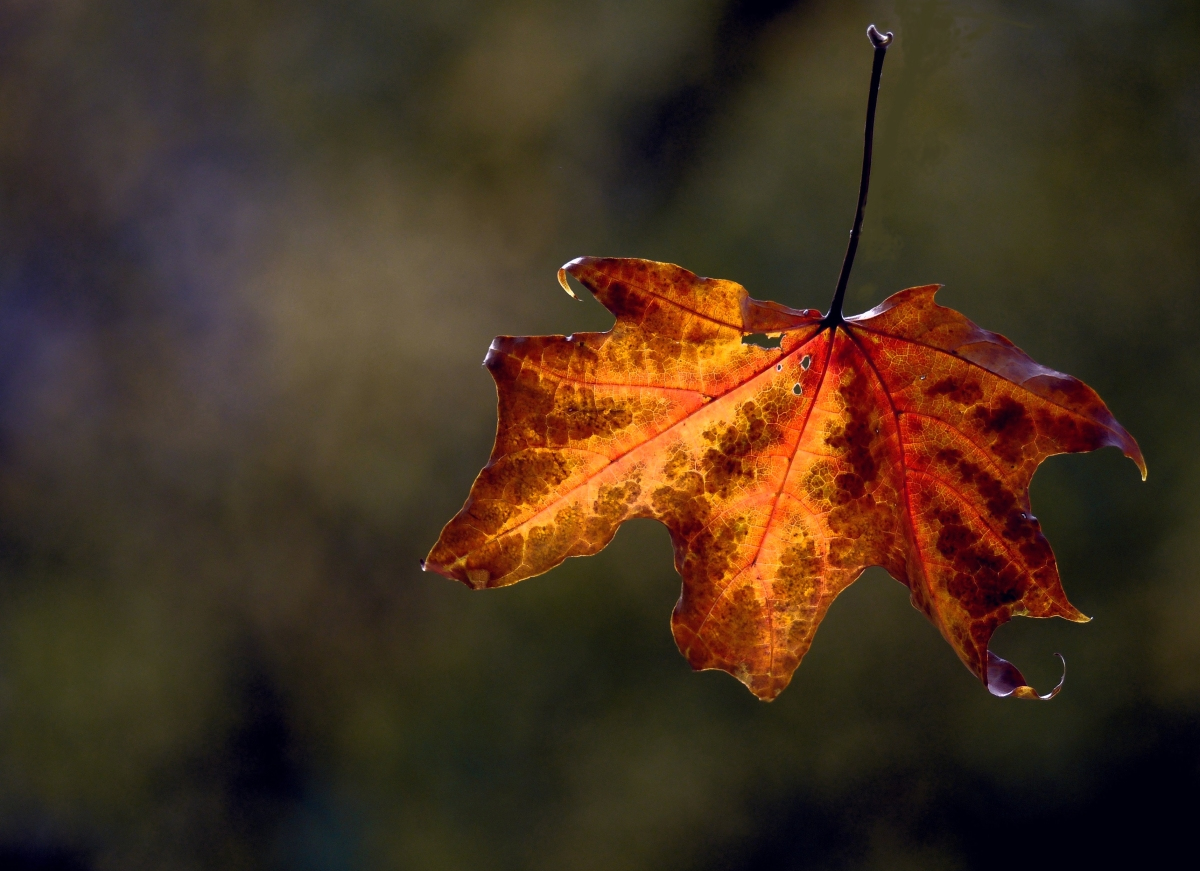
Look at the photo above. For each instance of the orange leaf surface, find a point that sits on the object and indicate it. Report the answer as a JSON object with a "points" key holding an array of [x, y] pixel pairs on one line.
{"points": [[905, 437]]}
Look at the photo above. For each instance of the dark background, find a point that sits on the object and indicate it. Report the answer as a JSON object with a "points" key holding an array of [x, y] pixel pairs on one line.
{"points": [[251, 255]]}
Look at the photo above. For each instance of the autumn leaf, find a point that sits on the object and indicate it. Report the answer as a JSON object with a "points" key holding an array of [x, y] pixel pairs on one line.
{"points": [[905, 437]]}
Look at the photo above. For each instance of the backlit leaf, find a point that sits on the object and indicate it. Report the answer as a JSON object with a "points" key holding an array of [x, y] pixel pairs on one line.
{"points": [[905, 437]]}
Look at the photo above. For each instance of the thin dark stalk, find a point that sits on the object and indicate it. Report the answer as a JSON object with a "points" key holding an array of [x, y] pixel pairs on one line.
{"points": [[881, 41]]}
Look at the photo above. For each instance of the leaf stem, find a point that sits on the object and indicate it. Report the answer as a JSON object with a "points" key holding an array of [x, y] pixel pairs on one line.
{"points": [[880, 41]]}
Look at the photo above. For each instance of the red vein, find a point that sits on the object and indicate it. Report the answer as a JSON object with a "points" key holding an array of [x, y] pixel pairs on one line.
{"points": [[774, 505], [652, 438], [966, 438], [1119, 432], [908, 509], [644, 289]]}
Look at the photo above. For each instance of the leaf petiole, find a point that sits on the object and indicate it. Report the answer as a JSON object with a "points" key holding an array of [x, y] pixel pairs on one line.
{"points": [[880, 41]]}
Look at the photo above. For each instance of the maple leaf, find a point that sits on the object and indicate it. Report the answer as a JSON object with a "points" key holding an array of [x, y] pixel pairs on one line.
{"points": [[904, 437]]}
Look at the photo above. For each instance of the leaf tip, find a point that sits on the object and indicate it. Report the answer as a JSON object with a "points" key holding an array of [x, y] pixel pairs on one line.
{"points": [[1130, 448], [562, 280], [764, 687], [1004, 680]]}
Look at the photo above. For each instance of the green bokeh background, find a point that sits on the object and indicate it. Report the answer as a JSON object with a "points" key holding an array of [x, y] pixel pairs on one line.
{"points": [[251, 256]]}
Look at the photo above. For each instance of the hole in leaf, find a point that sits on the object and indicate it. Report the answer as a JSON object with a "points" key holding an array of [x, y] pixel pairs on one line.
{"points": [[763, 340], [797, 389], [806, 362], [778, 367]]}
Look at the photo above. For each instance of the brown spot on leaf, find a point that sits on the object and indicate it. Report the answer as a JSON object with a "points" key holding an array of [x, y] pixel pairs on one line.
{"points": [[796, 585], [960, 390], [713, 552], [525, 477], [852, 438], [578, 414], [491, 564], [1010, 426], [555, 540], [982, 579], [1070, 433], [731, 462], [612, 505], [627, 302]]}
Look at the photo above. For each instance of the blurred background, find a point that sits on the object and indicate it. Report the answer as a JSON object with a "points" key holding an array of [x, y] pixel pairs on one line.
{"points": [[251, 257]]}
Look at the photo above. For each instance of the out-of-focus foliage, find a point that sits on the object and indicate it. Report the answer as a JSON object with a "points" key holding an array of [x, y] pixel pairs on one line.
{"points": [[250, 254]]}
